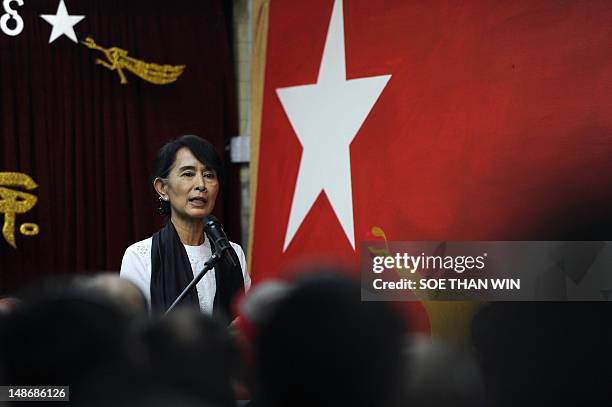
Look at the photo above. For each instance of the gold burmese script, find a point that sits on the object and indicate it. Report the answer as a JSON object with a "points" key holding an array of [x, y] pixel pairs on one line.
{"points": [[118, 60], [13, 202]]}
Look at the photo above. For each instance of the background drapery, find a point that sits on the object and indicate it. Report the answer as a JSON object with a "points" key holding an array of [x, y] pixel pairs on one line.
{"points": [[89, 142]]}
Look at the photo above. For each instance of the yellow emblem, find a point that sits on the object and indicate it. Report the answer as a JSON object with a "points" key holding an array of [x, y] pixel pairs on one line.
{"points": [[448, 320], [118, 60], [13, 202]]}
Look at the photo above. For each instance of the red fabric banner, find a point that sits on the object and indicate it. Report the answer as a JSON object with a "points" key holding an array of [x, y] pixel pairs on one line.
{"points": [[494, 123]]}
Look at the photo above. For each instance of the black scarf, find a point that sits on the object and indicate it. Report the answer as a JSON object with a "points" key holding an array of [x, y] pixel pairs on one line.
{"points": [[171, 272]]}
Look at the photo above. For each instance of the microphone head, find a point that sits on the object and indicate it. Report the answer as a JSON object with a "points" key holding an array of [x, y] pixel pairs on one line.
{"points": [[216, 234], [213, 228], [210, 220]]}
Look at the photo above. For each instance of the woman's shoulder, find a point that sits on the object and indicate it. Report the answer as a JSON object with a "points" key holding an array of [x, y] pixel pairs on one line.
{"points": [[243, 264], [141, 248], [136, 265], [237, 248]]}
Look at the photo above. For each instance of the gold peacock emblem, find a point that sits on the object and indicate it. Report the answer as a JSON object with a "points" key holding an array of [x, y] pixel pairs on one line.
{"points": [[118, 60]]}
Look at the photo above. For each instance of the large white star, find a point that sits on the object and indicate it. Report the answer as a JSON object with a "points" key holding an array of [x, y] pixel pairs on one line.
{"points": [[62, 23], [326, 117]]}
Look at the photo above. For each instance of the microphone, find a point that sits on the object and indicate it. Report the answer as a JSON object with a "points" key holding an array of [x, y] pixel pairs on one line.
{"points": [[217, 236]]}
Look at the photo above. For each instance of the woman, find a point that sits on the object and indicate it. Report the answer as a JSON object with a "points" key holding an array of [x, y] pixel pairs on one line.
{"points": [[187, 178]]}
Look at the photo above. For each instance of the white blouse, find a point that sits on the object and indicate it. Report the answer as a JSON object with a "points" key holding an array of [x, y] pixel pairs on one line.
{"points": [[136, 267]]}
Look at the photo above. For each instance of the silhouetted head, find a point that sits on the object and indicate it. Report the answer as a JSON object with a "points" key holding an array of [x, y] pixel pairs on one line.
{"points": [[544, 353], [442, 375], [61, 341], [109, 286], [189, 352], [323, 346]]}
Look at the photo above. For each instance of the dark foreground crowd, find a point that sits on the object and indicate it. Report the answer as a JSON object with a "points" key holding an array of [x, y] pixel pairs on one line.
{"points": [[311, 342]]}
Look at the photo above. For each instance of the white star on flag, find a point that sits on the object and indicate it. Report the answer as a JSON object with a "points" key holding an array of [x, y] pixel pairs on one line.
{"points": [[62, 22], [326, 117]]}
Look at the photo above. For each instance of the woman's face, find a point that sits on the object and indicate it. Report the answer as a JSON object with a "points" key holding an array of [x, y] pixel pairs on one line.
{"points": [[191, 187]]}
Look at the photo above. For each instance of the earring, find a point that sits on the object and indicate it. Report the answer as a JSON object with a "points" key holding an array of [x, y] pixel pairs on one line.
{"points": [[162, 205]]}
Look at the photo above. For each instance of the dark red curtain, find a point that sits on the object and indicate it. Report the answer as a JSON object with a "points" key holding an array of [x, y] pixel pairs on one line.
{"points": [[89, 142]]}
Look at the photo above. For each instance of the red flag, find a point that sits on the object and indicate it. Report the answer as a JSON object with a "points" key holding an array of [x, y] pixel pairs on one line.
{"points": [[438, 120]]}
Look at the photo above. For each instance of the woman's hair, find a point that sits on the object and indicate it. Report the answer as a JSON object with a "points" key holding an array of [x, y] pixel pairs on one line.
{"points": [[200, 148]]}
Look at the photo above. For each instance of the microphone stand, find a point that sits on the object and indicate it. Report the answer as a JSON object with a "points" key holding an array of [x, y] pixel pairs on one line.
{"points": [[207, 266]]}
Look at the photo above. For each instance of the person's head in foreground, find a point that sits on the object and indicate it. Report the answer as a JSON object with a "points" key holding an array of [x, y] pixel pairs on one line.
{"points": [[324, 347], [62, 340], [546, 353]]}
